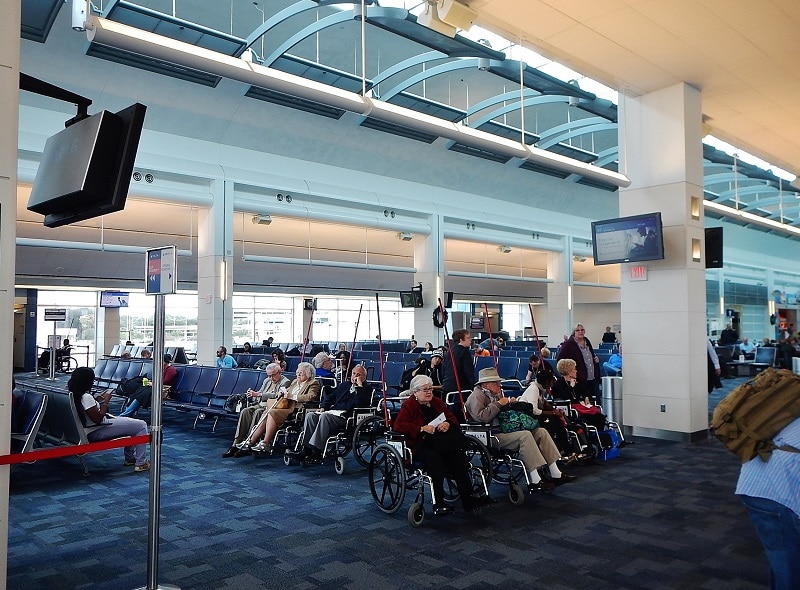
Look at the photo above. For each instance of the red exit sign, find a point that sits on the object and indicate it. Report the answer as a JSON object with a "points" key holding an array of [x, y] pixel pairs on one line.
{"points": [[637, 273]]}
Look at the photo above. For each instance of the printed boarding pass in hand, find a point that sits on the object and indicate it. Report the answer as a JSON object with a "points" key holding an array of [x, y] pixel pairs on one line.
{"points": [[438, 420]]}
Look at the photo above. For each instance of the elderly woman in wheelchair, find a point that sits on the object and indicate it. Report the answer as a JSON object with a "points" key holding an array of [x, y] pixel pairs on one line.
{"points": [[435, 439], [535, 446]]}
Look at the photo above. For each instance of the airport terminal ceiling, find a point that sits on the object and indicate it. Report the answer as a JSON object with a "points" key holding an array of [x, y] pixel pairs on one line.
{"points": [[224, 115]]}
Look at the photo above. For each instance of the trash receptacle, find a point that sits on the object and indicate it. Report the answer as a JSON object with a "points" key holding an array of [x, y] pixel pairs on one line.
{"points": [[796, 366], [612, 399]]}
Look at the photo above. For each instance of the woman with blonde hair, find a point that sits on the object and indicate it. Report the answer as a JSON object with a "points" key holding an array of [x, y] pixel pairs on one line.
{"points": [[305, 388]]}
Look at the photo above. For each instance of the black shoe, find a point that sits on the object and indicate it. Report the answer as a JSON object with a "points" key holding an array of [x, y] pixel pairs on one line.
{"points": [[486, 500], [565, 478], [476, 503], [229, 453], [542, 486], [313, 458], [442, 510], [297, 455], [242, 453]]}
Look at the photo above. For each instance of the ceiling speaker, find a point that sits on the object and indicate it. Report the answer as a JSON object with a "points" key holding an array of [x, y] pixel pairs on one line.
{"points": [[430, 19], [456, 14]]}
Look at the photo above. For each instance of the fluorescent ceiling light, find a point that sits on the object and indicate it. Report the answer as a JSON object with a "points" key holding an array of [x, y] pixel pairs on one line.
{"points": [[751, 218], [127, 38]]}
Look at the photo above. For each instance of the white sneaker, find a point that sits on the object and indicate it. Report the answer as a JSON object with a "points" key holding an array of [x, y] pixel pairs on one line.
{"points": [[260, 447]]}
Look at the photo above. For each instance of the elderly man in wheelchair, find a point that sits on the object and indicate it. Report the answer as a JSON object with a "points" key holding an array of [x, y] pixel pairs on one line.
{"points": [[535, 447], [321, 426]]}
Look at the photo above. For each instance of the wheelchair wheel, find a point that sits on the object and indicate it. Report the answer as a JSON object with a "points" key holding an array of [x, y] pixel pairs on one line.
{"points": [[505, 471], [516, 494], [287, 460], [387, 478], [479, 456], [416, 514], [68, 364], [451, 494], [365, 437], [339, 465]]}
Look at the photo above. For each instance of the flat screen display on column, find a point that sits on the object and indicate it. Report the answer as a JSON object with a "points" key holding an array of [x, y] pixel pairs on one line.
{"points": [[628, 239]]}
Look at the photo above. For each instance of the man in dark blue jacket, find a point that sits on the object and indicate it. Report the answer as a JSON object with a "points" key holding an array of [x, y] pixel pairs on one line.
{"points": [[463, 365], [336, 407]]}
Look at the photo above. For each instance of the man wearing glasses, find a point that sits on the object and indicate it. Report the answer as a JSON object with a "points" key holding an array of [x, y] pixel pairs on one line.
{"points": [[336, 407], [274, 386]]}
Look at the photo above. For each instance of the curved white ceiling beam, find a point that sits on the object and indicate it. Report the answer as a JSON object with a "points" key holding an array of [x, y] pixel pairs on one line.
{"points": [[120, 36]]}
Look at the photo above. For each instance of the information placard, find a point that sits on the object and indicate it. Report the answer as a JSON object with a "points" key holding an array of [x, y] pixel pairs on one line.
{"points": [[55, 315], [161, 271]]}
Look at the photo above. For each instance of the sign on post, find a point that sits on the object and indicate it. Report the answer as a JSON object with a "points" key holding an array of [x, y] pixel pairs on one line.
{"points": [[161, 276], [55, 315]]}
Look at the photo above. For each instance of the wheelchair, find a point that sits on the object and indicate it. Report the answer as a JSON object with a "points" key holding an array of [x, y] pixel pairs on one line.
{"points": [[505, 467], [65, 363], [360, 435], [393, 471], [596, 444]]}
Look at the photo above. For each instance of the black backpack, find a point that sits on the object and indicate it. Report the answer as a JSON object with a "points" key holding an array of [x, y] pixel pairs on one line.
{"points": [[130, 387], [405, 378]]}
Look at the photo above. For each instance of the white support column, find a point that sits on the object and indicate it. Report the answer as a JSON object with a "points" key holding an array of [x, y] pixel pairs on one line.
{"points": [[559, 295], [664, 317], [429, 262], [107, 330], [9, 118], [215, 273]]}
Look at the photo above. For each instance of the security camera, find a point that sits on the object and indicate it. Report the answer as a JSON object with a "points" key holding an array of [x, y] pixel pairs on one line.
{"points": [[79, 15]]}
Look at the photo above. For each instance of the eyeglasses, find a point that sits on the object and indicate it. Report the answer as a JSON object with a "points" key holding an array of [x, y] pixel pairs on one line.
{"points": [[425, 389]]}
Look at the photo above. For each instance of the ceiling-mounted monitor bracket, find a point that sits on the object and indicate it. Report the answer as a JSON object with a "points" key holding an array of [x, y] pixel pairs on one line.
{"points": [[31, 84]]}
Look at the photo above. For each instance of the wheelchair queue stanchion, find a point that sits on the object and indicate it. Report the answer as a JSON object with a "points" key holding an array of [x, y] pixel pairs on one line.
{"points": [[51, 373], [491, 336], [353, 347], [452, 360], [308, 333], [535, 332], [380, 360]]}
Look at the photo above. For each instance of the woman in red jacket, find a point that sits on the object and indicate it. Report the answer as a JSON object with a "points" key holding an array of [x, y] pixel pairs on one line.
{"points": [[435, 439]]}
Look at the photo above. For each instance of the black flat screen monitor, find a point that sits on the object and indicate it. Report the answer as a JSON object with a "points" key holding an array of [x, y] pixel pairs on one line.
{"points": [[114, 298], [477, 322], [85, 170], [628, 239], [448, 299], [411, 299]]}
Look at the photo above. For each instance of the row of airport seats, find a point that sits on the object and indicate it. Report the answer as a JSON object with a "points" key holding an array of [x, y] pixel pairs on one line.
{"points": [[203, 390], [198, 389], [110, 372], [44, 413], [285, 347], [178, 353], [330, 346], [246, 361]]}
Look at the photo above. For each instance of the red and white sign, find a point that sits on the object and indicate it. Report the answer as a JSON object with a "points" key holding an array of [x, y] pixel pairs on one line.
{"points": [[637, 273]]}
